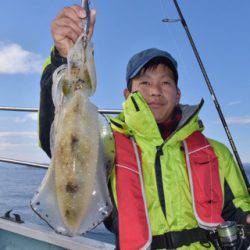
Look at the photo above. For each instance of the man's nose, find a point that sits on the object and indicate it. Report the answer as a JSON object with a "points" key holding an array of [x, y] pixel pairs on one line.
{"points": [[155, 90]]}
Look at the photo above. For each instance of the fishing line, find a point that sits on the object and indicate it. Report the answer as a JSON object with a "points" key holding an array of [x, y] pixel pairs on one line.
{"points": [[176, 46]]}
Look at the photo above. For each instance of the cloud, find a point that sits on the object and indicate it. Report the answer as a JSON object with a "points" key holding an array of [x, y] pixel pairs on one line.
{"points": [[23, 151], [234, 103], [32, 116], [21, 145], [18, 144], [238, 120], [19, 119], [27, 118], [29, 134], [7, 145], [15, 60]]}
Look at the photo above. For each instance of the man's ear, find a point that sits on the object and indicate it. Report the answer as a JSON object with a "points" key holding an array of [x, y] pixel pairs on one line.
{"points": [[178, 96], [126, 93]]}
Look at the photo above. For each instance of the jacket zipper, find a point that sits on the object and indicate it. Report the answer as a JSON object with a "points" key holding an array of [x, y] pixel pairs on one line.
{"points": [[158, 175]]}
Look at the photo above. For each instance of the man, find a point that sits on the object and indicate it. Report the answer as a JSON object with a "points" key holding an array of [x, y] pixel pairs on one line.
{"points": [[169, 182]]}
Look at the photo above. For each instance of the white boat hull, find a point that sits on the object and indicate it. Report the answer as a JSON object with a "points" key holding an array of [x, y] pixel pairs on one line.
{"points": [[28, 236]]}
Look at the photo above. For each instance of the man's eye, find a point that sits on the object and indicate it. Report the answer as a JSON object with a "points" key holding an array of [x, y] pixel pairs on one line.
{"points": [[144, 83], [166, 83]]}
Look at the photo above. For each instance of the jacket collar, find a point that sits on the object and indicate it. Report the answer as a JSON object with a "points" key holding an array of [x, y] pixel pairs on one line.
{"points": [[138, 120]]}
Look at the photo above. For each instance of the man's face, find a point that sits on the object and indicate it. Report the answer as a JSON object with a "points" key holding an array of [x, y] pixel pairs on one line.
{"points": [[158, 88]]}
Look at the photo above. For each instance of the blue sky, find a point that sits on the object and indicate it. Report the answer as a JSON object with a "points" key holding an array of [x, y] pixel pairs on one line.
{"points": [[220, 30]]}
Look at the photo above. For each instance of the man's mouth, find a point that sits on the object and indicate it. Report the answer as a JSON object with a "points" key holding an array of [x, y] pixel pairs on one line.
{"points": [[155, 104]]}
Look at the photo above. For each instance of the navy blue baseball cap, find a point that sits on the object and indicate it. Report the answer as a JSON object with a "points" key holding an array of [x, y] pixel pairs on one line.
{"points": [[139, 60]]}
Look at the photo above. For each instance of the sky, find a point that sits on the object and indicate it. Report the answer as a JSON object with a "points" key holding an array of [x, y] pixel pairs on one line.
{"points": [[219, 28]]}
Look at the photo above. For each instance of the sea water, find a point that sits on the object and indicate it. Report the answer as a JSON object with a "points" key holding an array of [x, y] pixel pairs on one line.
{"points": [[18, 185]]}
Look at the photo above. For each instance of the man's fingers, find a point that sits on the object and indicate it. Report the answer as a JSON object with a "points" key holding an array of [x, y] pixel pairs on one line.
{"points": [[65, 32], [74, 12], [66, 22], [81, 13]]}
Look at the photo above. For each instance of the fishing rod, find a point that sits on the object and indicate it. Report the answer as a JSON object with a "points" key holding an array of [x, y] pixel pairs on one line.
{"points": [[211, 90]]}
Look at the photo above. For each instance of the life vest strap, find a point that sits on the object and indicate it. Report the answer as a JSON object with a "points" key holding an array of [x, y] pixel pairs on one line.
{"points": [[173, 240]]}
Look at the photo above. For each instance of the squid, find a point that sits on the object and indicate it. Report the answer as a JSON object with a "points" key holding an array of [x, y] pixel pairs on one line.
{"points": [[73, 197]]}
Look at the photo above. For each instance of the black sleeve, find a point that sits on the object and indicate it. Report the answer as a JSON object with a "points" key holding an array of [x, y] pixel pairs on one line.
{"points": [[46, 109], [230, 212], [111, 222]]}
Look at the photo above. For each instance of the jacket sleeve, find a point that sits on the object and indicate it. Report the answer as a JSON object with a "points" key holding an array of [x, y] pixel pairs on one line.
{"points": [[236, 196], [46, 108]]}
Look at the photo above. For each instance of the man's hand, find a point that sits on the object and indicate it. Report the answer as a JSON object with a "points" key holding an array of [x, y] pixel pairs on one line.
{"points": [[66, 27]]}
